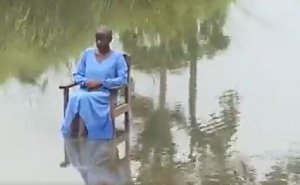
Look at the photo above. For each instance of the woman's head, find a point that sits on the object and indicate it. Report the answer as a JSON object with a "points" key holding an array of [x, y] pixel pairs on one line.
{"points": [[103, 37]]}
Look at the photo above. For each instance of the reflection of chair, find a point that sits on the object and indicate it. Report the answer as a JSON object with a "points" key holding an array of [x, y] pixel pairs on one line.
{"points": [[117, 110], [98, 161]]}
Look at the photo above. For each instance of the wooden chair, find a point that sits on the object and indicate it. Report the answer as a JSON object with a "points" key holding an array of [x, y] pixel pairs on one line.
{"points": [[116, 110]]}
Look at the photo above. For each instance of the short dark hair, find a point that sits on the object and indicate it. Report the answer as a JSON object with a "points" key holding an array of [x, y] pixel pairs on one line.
{"points": [[104, 29]]}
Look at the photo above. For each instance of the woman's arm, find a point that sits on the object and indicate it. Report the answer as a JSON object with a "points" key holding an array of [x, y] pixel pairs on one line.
{"points": [[122, 74], [79, 73]]}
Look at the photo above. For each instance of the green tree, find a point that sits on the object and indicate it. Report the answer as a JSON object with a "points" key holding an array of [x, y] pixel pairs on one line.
{"points": [[36, 35]]}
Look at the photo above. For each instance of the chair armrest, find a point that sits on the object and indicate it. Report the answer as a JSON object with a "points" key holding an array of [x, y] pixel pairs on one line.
{"points": [[67, 86], [118, 87]]}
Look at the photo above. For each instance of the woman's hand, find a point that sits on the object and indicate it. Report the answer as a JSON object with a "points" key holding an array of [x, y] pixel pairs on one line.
{"points": [[93, 84]]}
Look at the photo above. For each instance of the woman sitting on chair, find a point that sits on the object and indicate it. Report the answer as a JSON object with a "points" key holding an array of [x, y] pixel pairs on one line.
{"points": [[99, 70]]}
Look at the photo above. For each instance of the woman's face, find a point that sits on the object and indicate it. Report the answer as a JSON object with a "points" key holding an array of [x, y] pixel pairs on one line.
{"points": [[102, 39]]}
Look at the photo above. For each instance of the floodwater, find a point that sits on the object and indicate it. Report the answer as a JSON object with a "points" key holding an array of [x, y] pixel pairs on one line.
{"points": [[216, 92]]}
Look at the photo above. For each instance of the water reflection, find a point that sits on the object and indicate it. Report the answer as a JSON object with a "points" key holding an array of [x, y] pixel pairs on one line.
{"points": [[99, 161], [210, 146], [183, 63], [42, 40]]}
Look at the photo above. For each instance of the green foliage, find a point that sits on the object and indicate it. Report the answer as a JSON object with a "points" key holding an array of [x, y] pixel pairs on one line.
{"points": [[37, 34]]}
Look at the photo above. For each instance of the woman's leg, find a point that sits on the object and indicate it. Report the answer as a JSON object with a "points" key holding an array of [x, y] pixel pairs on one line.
{"points": [[82, 131], [77, 127], [74, 127]]}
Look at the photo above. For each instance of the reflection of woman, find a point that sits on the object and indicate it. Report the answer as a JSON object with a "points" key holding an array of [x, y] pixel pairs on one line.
{"points": [[99, 70], [98, 162]]}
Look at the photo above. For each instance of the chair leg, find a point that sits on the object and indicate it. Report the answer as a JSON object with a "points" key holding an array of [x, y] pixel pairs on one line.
{"points": [[127, 147], [126, 120], [66, 161], [114, 127]]}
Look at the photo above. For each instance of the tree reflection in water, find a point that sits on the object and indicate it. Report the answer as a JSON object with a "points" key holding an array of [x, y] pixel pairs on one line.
{"points": [[163, 37]]}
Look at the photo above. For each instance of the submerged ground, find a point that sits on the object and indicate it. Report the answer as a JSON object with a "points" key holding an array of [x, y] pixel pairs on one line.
{"points": [[215, 85]]}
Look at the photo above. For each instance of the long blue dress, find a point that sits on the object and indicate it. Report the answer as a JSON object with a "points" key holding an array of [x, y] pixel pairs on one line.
{"points": [[94, 106]]}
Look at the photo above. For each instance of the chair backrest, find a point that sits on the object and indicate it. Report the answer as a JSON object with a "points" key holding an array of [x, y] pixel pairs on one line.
{"points": [[128, 60]]}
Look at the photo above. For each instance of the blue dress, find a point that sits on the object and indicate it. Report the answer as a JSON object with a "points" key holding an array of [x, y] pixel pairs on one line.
{"points": [[94, 106]]}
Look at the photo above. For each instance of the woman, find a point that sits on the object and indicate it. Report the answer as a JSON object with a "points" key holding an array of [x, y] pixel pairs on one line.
{"points": [[99, 70]]}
